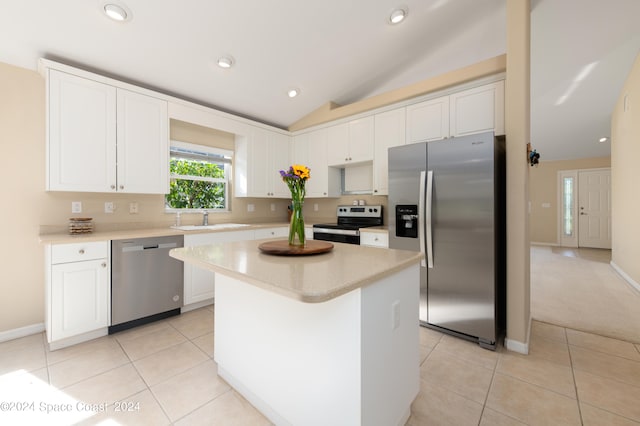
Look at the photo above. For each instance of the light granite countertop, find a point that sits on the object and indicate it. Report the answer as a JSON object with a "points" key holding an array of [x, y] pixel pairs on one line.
{"points": [[123, 234], [313, 278]]}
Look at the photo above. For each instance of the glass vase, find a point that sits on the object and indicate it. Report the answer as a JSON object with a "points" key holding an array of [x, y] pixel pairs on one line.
{"points": [[296, 226]]}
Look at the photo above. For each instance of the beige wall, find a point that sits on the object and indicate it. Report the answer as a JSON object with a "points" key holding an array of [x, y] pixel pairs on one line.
{"points": [[332, 111], [517, 129], [22, 131], [625, 152], [543, 189]]}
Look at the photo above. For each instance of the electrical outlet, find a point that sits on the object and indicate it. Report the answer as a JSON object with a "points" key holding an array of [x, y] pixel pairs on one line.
{"points": [[395, 315], [273, 207], [315, 207], [76, 207], [251, 208], [109, 207], [133, 208]]}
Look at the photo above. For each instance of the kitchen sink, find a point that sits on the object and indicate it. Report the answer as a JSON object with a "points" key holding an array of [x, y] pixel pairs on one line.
{"points": [[213, 227]]}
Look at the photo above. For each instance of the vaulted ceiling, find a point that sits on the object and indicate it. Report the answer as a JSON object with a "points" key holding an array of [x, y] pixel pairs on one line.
{"points": [[340, 51]]}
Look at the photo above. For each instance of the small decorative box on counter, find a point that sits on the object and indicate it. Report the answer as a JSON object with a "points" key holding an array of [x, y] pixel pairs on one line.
{"points": [[80, 225]]}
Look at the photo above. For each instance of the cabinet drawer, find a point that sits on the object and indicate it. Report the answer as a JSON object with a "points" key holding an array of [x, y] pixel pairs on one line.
{"points": [[272, 232], [375, 239], [77, 252]]}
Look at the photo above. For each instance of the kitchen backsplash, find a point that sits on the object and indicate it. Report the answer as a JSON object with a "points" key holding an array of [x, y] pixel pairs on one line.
{"points": [[151, 212]]}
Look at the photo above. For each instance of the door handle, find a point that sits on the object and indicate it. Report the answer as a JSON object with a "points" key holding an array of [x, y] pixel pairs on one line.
{"points": [[583, 214], [429, 219], [421, 217]]}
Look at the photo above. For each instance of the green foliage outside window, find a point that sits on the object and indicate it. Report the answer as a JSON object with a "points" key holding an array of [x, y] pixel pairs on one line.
{"points": [[187, 192]]}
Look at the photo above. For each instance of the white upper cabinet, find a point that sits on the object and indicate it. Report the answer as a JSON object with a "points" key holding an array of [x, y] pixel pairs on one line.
{"points": [[477, 110], [258, 159], [428, 121], [81, 134], [310, 149], [351, 143], [90, 123], [389, 132], [143, 144]]}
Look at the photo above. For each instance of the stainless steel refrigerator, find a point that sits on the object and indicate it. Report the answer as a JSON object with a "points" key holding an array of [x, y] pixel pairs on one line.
{"points": [[447, 200]]}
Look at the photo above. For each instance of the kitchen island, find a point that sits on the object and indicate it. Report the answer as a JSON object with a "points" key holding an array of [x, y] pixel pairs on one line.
{"points": [[316, 340]]}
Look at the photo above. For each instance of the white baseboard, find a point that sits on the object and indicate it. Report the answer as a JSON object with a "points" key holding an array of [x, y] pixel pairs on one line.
{"points": [[537, 243], [516, 346], [196, 305], [625, 276], [17, 333]]}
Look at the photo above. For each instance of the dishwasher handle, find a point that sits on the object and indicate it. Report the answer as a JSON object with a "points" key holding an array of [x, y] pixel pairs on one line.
{"points": [[140, 247]]}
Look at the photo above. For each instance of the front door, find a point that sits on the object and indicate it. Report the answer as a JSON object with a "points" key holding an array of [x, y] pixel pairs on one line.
{"points": [[594, 209]]}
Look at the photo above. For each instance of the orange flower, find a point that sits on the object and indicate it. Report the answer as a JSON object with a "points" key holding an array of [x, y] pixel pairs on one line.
{"points": [[301, 171]]}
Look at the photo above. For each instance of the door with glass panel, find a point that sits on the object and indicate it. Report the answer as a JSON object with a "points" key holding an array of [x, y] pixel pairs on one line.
{"points": [[594, 209], [585, 208]]}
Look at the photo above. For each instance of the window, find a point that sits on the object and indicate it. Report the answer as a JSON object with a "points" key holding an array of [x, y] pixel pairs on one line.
{"points": [[200, 177], [567, 206]]}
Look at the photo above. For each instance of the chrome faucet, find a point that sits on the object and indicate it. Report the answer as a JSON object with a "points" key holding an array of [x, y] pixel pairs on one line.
{"points": [[205, 218]]}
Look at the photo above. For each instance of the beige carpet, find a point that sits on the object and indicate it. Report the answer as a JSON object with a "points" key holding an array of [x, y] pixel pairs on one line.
{"points": [[577, 288]]}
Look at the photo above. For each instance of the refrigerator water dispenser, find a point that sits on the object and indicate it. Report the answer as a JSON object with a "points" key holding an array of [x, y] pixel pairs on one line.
{"points": [[407, 220]]}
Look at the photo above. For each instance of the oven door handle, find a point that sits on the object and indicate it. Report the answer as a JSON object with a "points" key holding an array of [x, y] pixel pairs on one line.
{"points": [[352, 232]]}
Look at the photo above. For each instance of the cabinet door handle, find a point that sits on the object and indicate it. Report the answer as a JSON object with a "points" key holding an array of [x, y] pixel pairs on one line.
{"points": [[103, 264], [113, 187], [121, 186], [81, 251]]}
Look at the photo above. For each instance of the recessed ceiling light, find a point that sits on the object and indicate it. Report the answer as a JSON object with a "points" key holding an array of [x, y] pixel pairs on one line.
{"points": [[116, 11], [603, 140], [293, 92], [225, 62], [398, 15]]}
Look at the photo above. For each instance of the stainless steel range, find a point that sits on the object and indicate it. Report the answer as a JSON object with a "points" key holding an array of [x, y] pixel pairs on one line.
{"points": [[350, 220]]}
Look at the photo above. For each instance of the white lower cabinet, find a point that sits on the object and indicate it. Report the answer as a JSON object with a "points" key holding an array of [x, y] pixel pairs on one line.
{"points": [[78, 292], [199, 283], [374, 239], [279, 232]]}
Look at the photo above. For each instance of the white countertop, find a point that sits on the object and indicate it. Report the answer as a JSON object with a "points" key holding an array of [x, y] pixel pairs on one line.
{"points": [[313, 278], [123, 234]]}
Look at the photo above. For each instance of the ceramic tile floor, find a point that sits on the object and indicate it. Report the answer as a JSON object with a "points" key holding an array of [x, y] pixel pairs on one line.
{"points": [[163, 373]]}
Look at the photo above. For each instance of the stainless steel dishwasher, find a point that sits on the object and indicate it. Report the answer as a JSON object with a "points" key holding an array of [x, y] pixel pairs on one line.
{"points": [[146, 283]]}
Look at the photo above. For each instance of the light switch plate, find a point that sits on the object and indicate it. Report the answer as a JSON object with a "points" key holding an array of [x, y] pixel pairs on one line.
{"points": [[251, 207], [76, 207], [108, 207], [273, 207], [133, 208]]}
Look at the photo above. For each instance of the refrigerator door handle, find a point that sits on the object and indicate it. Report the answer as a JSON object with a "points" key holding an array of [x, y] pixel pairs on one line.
{"points": [[421, 216], [429, 208]]}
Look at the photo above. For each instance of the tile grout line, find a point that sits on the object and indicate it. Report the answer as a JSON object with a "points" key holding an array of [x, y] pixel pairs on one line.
{"points": [[573, 375], [46, 356], [486, 397]]}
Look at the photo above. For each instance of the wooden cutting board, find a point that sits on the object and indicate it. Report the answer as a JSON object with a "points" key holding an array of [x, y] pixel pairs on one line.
{"points": [[282, 248]]}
